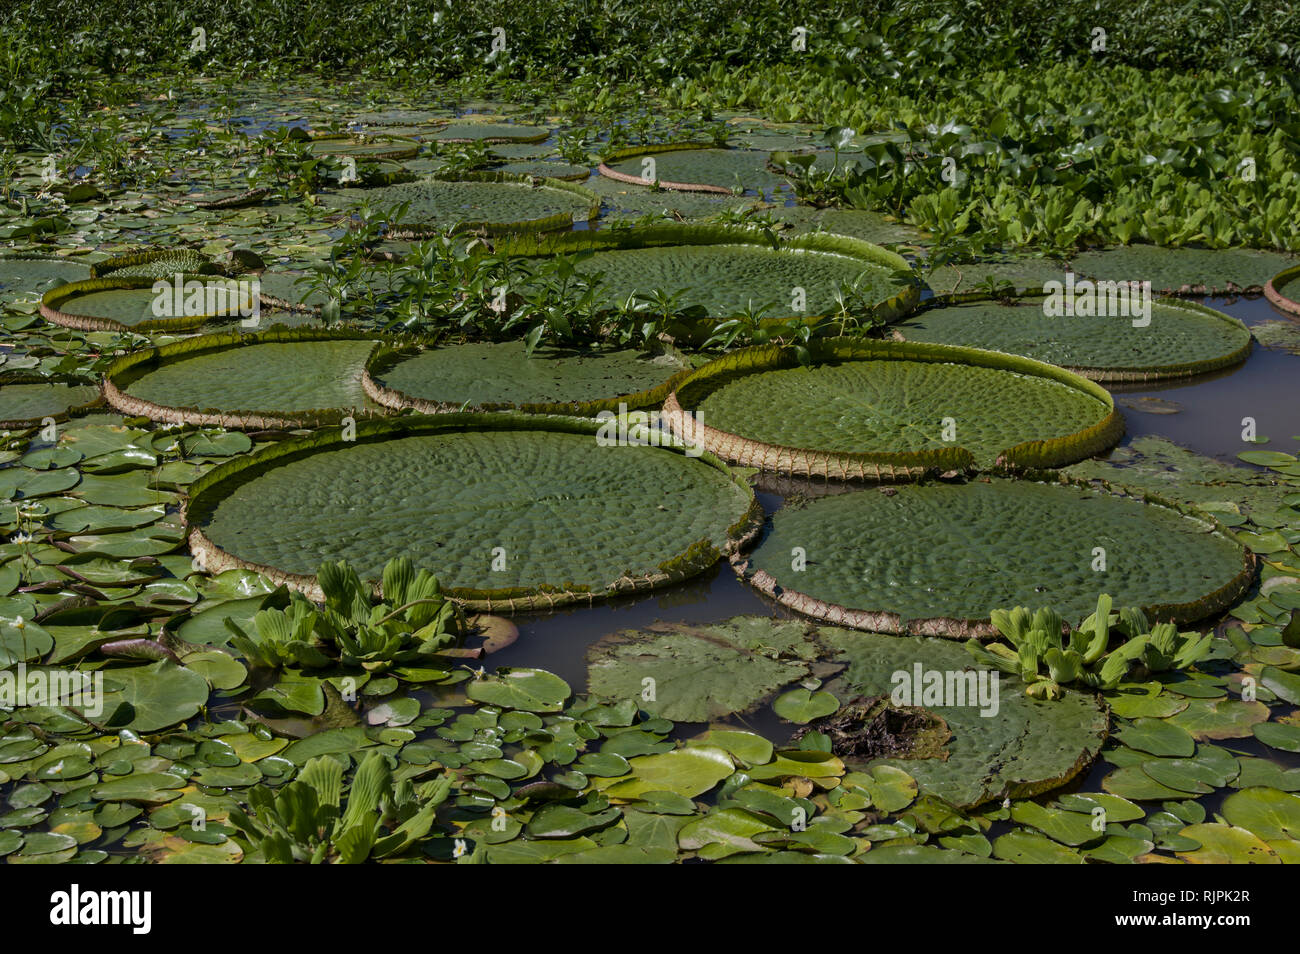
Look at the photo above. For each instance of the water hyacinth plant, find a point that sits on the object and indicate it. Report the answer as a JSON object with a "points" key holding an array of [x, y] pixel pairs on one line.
{"points": [[1047, 655], [412, 620]]}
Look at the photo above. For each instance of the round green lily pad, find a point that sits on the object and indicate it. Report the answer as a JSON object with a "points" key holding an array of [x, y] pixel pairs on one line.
{"points": [[549, 170], [727, 270], [495, 202], [1021, 272], [280, 378], [32, 275], [27, 401], [131, 304], [501, 375], [942, 556], [1181, 338], [693, 169], [887, 410], [1020, 749], [509, 512], [361, 147], [1183, 271], [489, 131]]}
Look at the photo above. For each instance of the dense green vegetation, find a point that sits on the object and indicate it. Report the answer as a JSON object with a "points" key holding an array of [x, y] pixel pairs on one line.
{"points": [[454, 264]]}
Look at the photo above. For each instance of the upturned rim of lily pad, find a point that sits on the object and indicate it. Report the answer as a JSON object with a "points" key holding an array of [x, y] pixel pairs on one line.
{"points": [[548, 223], [684, 235], [1272, 290], [30, 377], [53, 300]]}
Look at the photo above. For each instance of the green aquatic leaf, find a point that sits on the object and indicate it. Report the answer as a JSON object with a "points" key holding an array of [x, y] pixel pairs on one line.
{"points": [[532, 690]]}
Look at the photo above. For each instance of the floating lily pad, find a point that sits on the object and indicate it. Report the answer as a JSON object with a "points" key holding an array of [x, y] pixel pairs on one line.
{"points": [[1021, 272], [450, 493], [727, 269], [365, 147], [688, 772], [1282, 290], [495, 202], [502, 375], [279, 378], [486, 131], [1265, 812], [1226, 845], [1179, 338], [532, 690], [923, 535], [160, 694], [26, 402], [880, 410], [1183, 271], [699, 673], [33, 275], [693, 168]]}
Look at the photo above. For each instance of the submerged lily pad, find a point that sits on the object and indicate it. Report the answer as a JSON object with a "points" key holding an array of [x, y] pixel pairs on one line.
{"points": [[507, 511], [998, 544], [1020, 748]]}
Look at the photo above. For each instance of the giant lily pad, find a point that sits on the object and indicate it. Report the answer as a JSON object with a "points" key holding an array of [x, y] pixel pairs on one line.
{"points": [[888, 410], [1180, 339], [121, 304], [728, 269], [492, 201], [507, 511], [502, 375], [281, 378], [34, 274], [27, 400], [1284, 288], [1183, 271], [943, 556]]}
